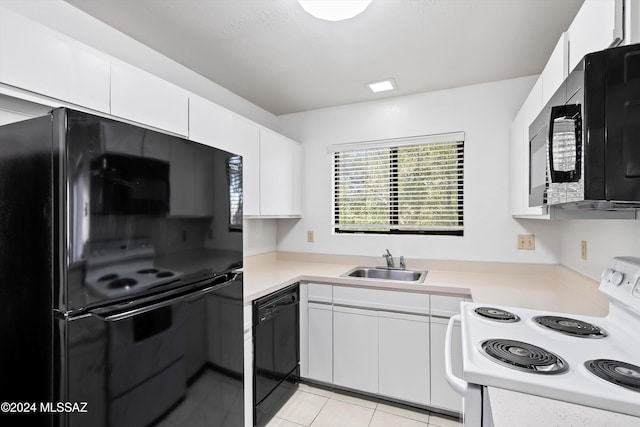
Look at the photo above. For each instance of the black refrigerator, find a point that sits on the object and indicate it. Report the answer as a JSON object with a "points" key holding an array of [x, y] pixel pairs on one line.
{"points": [[121, 293]]}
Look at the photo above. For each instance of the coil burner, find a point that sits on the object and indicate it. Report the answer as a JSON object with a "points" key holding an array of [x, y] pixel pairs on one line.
{"points": [[619, 373], [572, 327], [523, 356], [496, 314]]}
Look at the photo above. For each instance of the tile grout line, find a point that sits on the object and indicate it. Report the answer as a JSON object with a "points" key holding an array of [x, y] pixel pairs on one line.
{"points": [[323, 405]]}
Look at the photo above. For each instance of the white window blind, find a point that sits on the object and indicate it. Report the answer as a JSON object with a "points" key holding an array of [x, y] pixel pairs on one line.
{"points": [[408, 185]]}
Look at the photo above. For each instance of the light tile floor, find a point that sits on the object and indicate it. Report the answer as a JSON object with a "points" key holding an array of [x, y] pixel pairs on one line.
{"points": [[317, 407]]}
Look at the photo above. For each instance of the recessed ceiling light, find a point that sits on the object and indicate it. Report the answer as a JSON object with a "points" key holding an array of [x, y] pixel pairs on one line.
{"points": [[383, 85], [334, 10]]}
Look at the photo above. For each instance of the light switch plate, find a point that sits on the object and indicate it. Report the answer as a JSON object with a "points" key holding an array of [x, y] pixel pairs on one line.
{"points": [[526, 242]]}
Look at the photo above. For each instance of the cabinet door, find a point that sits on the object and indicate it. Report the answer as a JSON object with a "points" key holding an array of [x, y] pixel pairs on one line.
{"points": [[532, 106], [591, 29], [320, 354], [355, 348], [519, 156], [279, 175], [517, 166], [404, 357], [246, 140], [40, 60], [442, 395], [210, 124], [557, 68], [144, 98]]}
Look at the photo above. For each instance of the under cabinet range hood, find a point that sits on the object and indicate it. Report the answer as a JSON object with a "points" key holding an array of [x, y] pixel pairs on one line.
{"points": [[585, 145]]}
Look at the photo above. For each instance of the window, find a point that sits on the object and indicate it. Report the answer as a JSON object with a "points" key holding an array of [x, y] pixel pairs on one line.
{"points": [[400, 186]]}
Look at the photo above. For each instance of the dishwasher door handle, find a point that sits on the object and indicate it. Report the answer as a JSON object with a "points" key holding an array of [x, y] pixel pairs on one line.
{"points": [[458, 384]]}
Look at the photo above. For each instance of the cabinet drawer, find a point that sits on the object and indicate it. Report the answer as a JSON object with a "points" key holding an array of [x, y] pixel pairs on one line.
{"points": [[445, 306], [381, 299], [320, 293]]}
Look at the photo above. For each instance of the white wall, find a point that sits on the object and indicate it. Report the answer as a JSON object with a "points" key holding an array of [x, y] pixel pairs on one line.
{"points": [[67, 20], [605, 239], [484, 112], [259, 236]]}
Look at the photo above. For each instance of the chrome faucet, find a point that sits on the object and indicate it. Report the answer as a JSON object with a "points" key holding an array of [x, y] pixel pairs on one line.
{"points": [[391, 263], [389, 258]]}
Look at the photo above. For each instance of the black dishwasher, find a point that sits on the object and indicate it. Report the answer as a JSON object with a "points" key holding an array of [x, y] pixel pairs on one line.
{"points": [[276, 349]]}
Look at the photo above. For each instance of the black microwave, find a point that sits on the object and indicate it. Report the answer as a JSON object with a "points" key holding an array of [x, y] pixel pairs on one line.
{"points": [[584, 147], [129, 185]]}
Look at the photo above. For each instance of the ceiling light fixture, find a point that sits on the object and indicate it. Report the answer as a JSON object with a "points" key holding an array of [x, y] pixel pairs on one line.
{"points": [[383, 85], [334, 10]]}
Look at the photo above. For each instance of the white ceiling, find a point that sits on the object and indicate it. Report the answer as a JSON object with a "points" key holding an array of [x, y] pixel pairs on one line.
{"points": [[273, 54]]}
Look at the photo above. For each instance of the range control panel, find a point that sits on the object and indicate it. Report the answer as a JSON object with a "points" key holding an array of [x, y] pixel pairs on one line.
{"points": [[621, 281]]}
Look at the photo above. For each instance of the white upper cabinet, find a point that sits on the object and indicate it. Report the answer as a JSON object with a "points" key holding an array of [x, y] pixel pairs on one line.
{"points": [[144, 98], [270, 162], [557, 68], [280, 175], [211, 124], [532, 105], [591, 29], [519, 155], [39, 60]]}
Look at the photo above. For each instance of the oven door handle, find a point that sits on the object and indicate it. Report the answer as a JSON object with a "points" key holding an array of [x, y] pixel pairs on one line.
{"points": [[458, 384]]}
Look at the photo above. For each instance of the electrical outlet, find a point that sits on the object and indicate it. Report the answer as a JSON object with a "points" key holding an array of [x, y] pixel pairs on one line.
{"points": [[310, 236], [526, 242], [583, 250]]}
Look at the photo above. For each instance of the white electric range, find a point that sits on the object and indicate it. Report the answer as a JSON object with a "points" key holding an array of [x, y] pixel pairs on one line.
{"points": [[583, 360]]}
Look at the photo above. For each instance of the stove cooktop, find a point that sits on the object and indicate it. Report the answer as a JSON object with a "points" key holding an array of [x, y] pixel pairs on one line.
{"points": [[550, 361]]}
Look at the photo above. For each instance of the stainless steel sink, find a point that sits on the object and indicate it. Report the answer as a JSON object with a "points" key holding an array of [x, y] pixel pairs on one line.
{"points": [[381, 273]]}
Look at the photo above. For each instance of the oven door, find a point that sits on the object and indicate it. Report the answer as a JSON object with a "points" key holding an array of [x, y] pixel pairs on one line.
{"points": [[477, 409]]}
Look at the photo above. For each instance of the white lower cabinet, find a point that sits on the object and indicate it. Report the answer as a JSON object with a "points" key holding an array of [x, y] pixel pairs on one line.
{"points": [[355, 348], [383, 342], [320, 330], [403, 358], [442, 395]]}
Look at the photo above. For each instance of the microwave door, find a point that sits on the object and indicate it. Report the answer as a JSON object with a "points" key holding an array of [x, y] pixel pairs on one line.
{"points": [[565, 144]]}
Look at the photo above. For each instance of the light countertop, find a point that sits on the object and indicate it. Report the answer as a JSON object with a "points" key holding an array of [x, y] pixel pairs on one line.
{"points": [[536, 286]]}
